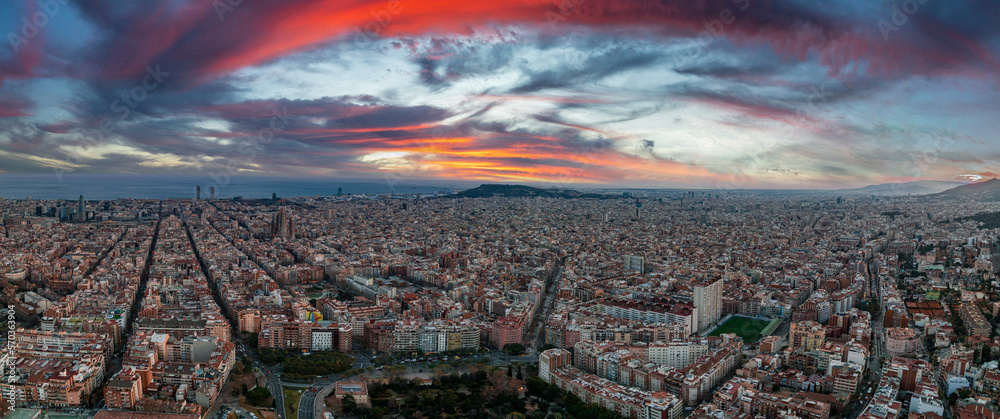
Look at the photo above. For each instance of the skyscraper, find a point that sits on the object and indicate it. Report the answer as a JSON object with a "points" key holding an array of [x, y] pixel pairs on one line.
{"points": [[633, 263], [708, 299], [82, 211], [211, 192]]}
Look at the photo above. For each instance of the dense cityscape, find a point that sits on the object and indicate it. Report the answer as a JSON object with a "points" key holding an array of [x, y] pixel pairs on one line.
{"points": [[500, 209], [642, 304]]}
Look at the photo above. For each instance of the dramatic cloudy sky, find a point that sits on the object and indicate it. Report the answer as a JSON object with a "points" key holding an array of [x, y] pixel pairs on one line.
{"points": [[712, 93]]}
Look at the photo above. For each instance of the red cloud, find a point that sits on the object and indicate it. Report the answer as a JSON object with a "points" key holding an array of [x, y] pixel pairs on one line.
{"points": [[202, 41]]}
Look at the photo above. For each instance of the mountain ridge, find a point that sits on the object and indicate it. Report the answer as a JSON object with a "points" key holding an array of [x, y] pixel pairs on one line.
{"points": [[985, 189], [488, 190], [920, 187]]}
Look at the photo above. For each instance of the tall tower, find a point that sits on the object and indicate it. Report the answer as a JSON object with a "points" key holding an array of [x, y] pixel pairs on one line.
{"points": [[211, 192], [197, 192], [82, 211], [281, 225], [634, 263], [708, 299]]}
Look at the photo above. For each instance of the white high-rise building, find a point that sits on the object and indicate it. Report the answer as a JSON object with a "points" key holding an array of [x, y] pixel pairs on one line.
{"points": [[708, 299]]}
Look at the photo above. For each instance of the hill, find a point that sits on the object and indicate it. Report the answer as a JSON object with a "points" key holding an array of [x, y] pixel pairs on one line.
{"points": [[923, 187], [491, 190], [989, 189]]}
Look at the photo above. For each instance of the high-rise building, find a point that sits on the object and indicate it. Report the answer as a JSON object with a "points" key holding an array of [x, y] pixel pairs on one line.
{"points": [[707, 297], [211, 191], [634, 263], [82, 211], [197, 192]]}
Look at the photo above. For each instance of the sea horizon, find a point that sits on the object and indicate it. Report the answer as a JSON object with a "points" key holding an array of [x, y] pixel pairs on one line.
{"points": [[94, 186], [111, 186]]}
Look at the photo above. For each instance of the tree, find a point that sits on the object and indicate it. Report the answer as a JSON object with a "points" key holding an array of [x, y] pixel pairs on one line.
{"points": [[536, 386], [349, 404], [258, 396], [514, 349], [519, 375], [250, 338]]}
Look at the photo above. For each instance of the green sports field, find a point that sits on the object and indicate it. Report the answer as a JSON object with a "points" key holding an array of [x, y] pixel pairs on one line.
{"points": [[751, 330]]}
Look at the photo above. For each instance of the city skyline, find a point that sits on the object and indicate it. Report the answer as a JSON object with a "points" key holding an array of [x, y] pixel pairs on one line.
{"points": [[726, 94]]}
